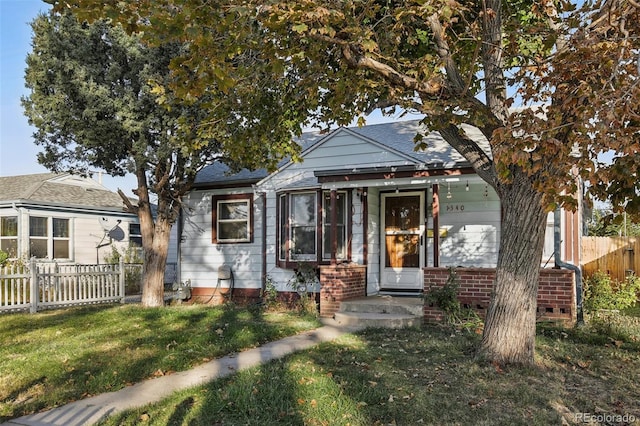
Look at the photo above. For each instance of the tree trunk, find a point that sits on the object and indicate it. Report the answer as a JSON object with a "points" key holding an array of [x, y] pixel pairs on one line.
{"points": [[510, 325], [155, 262]]}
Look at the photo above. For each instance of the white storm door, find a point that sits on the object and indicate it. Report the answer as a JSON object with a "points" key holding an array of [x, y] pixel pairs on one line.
{"points": [[402, 241]]}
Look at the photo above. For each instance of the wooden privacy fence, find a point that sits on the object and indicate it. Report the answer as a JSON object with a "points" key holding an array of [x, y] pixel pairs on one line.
{"points": [[36, 286], [615, 256]]}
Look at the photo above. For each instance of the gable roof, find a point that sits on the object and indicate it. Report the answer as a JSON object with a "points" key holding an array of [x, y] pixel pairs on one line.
{"points": [[58, 189], [397, 137], [219, 173]]}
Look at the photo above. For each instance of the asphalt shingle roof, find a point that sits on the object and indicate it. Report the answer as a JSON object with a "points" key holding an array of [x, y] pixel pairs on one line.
{"points": [[398, 136], [49, 188]]}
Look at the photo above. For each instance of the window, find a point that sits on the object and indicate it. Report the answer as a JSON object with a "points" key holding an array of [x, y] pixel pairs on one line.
{"points": [[9, 235], [135, 235], [232, 219], [61, 238], [134, 251], [49, 238], [341, 225], [305, 230], [38, 232], [302, 226]]}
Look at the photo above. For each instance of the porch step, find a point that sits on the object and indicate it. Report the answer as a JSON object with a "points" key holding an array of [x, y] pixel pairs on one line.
{"points": [[380, 311], [376, 320]]}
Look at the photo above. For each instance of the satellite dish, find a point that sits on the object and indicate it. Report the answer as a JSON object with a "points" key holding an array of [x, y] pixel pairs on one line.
{"points": [[108, 224]]}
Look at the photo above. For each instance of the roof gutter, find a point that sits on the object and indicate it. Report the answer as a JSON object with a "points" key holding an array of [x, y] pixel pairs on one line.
{"points": [[562, 264]]}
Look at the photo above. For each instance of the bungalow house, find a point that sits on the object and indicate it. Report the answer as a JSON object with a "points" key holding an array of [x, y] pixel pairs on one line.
{"points": [[375, 216]]}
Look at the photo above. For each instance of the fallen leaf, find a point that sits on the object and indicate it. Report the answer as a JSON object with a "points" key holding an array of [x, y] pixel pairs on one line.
{"points": [[584, 364], [478, 403]]}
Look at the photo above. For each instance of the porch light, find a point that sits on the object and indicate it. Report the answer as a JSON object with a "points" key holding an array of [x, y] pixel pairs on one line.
{"points": [[466, 188]]}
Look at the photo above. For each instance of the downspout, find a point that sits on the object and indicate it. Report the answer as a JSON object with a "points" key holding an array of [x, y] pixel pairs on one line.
{"points": [[263, 196], [561, 264], [180, 224]]}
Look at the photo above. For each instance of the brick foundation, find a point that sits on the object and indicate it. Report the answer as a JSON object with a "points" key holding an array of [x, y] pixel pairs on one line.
{"points": [[240, 296], [556, 292], [338, 283]]}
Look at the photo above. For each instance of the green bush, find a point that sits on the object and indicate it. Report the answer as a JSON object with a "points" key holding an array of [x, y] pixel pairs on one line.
{"points": [[270, 295], [304, 280], [3, 257], [133, 267], [601, 292], [446, 297]]}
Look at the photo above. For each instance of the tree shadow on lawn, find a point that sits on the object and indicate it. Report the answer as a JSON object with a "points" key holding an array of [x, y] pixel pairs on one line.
{"points": [[148, 343], [425, 376], [417, 376]]}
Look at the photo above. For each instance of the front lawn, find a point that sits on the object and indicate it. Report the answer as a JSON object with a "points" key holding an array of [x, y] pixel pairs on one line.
{"points": [[56, 357], [419, 376]]}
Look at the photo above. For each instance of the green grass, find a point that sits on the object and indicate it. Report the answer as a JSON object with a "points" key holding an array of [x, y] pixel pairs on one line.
{"points": [[417, 376], [413, 377], [55, 357]]}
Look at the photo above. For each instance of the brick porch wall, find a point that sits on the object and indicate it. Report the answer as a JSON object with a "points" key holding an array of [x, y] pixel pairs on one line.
{"points": [[556, 292], [338, 283]]}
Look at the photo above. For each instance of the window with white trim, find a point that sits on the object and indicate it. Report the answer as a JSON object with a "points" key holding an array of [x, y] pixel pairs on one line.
{"points": [[135, 235], [9, 235], [49, 238], [232, 219], [302, 226]]}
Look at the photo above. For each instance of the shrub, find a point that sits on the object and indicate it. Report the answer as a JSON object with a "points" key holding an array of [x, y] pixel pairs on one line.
{"points": [[270, 294], [446, 299], [303, 281], [601, 292], [133, 267]]}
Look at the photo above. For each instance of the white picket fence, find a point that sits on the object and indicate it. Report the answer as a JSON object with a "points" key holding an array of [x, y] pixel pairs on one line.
{"points": [[38, 286]]}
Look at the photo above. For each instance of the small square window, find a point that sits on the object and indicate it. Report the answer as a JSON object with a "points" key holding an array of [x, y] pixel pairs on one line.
{"points": [[232, 219]]}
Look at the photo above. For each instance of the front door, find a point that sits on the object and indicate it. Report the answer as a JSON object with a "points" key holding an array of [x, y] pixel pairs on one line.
{"points": [[402, 241]]}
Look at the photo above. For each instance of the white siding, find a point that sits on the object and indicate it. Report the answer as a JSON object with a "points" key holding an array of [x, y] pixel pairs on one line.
{"points": [[201, 258], [373, 238], [354, 152], [471, 221], [340, 151], [357, 228]]}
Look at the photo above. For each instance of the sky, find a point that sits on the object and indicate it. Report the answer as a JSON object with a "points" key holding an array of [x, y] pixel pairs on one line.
{"points": [[18, 152]]}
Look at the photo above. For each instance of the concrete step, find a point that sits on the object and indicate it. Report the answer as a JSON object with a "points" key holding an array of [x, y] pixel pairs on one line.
{"points": [[384, 305], [376, 319]]}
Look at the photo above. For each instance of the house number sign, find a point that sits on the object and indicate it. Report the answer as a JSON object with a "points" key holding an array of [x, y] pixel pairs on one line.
{"points": [[455, 207]]}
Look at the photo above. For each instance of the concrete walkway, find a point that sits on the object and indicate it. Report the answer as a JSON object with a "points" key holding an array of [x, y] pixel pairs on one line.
{"points": [[91, 410]]}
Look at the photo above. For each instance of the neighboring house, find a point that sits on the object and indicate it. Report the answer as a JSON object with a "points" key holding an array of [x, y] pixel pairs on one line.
{"points": [[362, 196], [63, 218]]}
